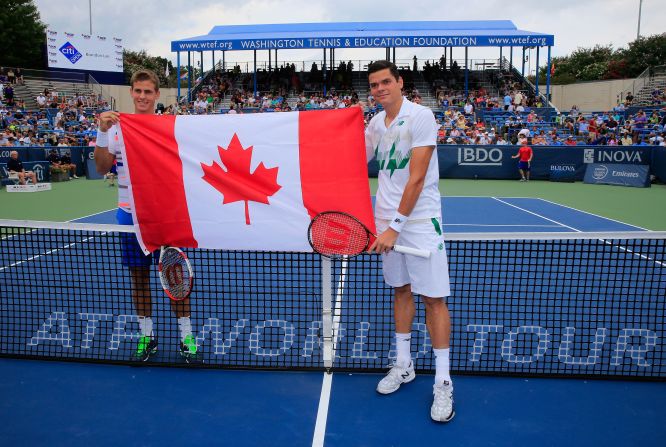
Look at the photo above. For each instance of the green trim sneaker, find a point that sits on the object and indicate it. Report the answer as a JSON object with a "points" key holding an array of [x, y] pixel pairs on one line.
{"points": [[146, 347], [188, 348]]}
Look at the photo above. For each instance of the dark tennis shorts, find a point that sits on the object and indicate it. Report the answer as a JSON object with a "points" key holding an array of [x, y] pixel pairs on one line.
{"points": [[525, 166], [130, 251]]}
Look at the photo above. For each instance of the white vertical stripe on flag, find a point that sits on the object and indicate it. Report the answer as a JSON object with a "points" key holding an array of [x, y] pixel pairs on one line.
{"points": [[281, 224]]}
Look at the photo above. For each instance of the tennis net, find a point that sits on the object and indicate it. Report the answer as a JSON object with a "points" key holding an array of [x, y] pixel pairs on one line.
{"points": [[582, 304]]}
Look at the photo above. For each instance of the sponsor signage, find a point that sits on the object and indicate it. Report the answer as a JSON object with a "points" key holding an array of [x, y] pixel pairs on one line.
{"points": [[618, 174], [406, 41], [83, 51]]}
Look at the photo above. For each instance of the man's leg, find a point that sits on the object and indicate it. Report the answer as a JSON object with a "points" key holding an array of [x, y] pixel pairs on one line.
{"points": [[140, 278], [188, 344], [21, 177], [403, 370], [438, 323]]}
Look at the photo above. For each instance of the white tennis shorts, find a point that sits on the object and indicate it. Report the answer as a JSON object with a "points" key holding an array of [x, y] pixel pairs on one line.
{"points": [[428, 277]]}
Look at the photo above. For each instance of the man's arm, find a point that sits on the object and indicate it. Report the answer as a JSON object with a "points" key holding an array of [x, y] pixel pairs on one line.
{"points": [[418, 167], [103, 158]]}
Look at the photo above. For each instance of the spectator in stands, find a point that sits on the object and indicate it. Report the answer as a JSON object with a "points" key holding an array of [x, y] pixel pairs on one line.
{"points": [[592, 127], [539, 139], [41, 100], [9, 95], [524, 155], [11, 76], [501, 141], [15, 166], [66, 162], [469, 108], [144, 90], [507, 101], [555, 141], [570, 141], [626, 139]]}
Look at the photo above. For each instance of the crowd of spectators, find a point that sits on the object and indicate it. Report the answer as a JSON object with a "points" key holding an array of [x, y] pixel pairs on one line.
{"points": [[477, 118]]}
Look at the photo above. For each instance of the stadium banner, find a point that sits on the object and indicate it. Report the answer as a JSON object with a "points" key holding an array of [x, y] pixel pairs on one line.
{"points": [[616, 174], [658, 165], [495, 162], [387, 41], [639, 155], [40, 168], [83, 51], [23, 153]]}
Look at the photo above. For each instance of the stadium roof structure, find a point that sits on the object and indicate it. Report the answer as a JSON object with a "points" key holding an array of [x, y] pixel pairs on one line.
{"points": [[413, 34], [387, 35]]}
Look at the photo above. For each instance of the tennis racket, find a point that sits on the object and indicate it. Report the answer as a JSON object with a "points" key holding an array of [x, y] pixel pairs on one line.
{"points": [[335, 234], [175, 273]]}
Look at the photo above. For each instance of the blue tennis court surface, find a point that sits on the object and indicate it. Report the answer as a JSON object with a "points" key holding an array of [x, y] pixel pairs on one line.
{"points": [[54, 403]]}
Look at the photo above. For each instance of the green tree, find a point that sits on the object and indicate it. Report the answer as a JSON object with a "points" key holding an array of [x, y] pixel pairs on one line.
{"points": [[138, 60], [602, 62], [643, 53], [22, 34]]}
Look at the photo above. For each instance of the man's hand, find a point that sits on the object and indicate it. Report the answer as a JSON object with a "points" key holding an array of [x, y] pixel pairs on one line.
{"points": [[108, 119], [384, 242]]}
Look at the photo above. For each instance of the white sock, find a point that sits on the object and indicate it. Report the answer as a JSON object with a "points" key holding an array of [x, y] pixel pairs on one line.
{"points": [[185, 327], [403, 346], [442, 372], [146, 326]]}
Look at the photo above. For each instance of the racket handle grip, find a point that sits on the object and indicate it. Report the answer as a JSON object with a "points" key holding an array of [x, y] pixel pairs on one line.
{"points": [[411, 251]]}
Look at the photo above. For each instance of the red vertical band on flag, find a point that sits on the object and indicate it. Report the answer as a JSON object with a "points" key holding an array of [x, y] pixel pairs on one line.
{"points": [[156, 175], [334, 169]]}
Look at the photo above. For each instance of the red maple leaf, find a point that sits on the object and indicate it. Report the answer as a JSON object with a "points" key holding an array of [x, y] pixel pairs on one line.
{"points": [[237, 183]]}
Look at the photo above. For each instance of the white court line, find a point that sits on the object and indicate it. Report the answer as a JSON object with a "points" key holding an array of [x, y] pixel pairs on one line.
{"points": [[595, 215], [91, 215], [497, 225], [55, 250], [327, 382], [536, 214], [580, 231]]}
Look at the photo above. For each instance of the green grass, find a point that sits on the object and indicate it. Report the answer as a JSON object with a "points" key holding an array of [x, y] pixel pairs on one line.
{"points": [[643, 207]]}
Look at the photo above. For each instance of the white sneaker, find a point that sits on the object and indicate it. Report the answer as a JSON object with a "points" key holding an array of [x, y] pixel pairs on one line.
{"points": [[442, 403], [396, 377]]}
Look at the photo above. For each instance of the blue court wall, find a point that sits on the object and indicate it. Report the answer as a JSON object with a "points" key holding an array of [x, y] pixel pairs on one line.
{"points": [[495, 162]]}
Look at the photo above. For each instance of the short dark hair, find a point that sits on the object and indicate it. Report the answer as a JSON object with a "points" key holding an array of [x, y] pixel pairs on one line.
{"points": [[382, 65], [145, 75]]}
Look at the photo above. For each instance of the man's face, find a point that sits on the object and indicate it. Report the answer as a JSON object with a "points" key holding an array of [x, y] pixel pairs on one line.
{"points": [[14, 155], [384, 88], [144, 96]]}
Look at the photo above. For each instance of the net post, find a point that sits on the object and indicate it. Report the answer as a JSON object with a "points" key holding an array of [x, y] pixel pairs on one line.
{"points": [[327, 312]]}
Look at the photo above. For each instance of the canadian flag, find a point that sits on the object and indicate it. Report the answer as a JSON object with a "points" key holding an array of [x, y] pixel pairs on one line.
{"points": [[243, 182]]}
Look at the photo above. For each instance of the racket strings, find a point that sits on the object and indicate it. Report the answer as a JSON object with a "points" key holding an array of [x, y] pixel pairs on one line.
{"points": [[176, 276], [336, 234]]}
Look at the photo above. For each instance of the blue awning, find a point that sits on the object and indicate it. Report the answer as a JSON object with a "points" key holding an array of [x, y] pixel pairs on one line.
{"points": [[414, 34]]}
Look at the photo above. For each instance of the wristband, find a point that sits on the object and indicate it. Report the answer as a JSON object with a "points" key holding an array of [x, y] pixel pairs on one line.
{"points": [[102, 139], [398, 222]]}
